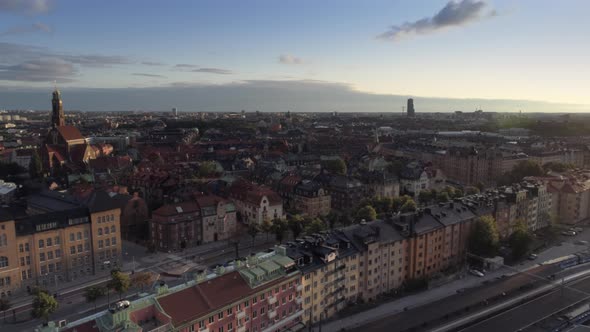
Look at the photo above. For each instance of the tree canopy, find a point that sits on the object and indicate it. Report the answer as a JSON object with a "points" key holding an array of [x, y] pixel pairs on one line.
{"points": [[279, 228], [484, 239], [521, 170], [336, 166], [43, 305], [520, 240], [367, 213], [119, 282]]}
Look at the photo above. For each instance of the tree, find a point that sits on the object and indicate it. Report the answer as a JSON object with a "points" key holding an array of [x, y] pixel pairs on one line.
{"points": [[142, 279], [471, 190], [442, 197], [266, 227], [483, 238], [253, 230], [44, 305], [520, 240], [332, 219], [296, 226], [36, 165], [94, 293], [279, 227], [367, 213], [557, 167], [316, 226], [207, 168], [382, 205], [119, 282], [425, 196], [521, 170], [4, 306], [336, 166], [409, 206]]}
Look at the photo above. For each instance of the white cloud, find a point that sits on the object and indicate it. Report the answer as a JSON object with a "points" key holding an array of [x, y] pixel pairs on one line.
{"points": [[288, 59], [26, 6]]}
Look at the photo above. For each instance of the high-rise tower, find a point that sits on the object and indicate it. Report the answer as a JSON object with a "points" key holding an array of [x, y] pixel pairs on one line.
{"points": [[57, 114], [411, 111]]}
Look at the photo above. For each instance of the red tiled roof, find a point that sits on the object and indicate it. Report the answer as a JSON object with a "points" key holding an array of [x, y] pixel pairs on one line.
{"points": [[69, 133], [86, 327], [169, 210], [194, 302]]}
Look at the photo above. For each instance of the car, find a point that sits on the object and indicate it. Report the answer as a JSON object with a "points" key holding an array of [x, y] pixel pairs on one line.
{"points": [[568, 233], [122, 304], [532, 257], [461, 290], [577, 229], [582, 242], [476, 273]]}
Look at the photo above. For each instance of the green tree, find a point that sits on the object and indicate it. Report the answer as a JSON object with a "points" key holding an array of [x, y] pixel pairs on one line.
{"points": [[557, 167], [296, 225], [520, 240], [279, 228], [409, 206], [36, 165], [346, 220], [266, 227], [4, 306], [382, 205], [443, 197], [253, 230], [471, 190], [94, 293], [332, 219], [44, 305], [316, 226], [207, 168], [521, 170], [425, 196], [367, 213], [458, 193], [336, 166], [398, 202], [483, 239], [119, 282]]}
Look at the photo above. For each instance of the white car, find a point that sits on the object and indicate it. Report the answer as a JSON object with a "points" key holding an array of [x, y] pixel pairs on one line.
{"points": [[122, 304], [476, 273]]}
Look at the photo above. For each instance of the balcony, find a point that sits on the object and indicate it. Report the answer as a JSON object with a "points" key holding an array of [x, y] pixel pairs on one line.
{"points": [[299, 287], [241, 328], [272, 314], [298, 300], [241, 314], [272, 299]]}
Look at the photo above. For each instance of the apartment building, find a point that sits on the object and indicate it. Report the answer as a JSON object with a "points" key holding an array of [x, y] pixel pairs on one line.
{"points": [[311, 199], [176, 226], [49, 247], [218, 218], [263, 295], [255, 203], [329, 265]]}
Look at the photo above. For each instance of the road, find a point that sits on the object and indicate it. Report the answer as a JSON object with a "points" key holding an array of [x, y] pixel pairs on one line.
{"points": [[383, 317], [536, 310]]}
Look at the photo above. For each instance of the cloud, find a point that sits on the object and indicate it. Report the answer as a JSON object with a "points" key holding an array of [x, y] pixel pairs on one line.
{"points": [[184, 65], [288, 59], [218, 71], [31, 63], [149, 75], [452, 15], [35, 27], [152, 63], [40, 70], [26, 6]]}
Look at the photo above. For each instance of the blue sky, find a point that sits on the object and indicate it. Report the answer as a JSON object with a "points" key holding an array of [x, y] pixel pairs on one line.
{"points": [[534, 50]]}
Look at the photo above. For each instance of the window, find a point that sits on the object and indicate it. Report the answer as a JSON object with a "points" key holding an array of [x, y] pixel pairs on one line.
{"points": [[254, 300], [79, 236], [80, 249], [57, 240], [86, 234], [211, 320], [51, 268], [21, 248], [254, 314], [221, 329], [22, 261], [42, 257], [229, 326], [113, 229], [43, 270], [50, 255], [41, 243], [72, 250], [202, 325], [72, 237], [58, 266], [114, 241], [220, 315], [28, 260], [107, 242], [57, 253], [229, 311], [100, 244], [86, 246], [106, 230], [262, 310], [48, 242], [99, 231], [23, 274], [246, 304]]}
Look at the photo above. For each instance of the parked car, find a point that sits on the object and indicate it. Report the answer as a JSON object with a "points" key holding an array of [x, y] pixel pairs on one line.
{"points": [[582, 242], [577, 229], [460, 290], [122, 304], [476, 273], [568, 233], [532, 257]]}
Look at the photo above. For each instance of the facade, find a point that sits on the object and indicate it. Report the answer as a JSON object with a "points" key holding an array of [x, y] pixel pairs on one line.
{"points": [[570, 197], [411, 111], [414, 178], [176, 226], [45, 247], [345, 192], [256, 203], [218, 218], [311, 199]]}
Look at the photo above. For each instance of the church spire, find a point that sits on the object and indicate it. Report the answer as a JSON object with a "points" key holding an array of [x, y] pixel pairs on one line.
{"points": [[57, 113]]}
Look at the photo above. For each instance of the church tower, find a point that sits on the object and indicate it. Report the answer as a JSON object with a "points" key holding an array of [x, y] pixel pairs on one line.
{"points": [[57, 113]]}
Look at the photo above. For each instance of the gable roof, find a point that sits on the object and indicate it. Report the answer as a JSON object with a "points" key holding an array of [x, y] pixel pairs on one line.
{"points": [[69, 133]]}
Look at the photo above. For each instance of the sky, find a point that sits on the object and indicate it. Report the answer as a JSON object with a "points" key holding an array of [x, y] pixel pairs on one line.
{"points": [[307, 55]]}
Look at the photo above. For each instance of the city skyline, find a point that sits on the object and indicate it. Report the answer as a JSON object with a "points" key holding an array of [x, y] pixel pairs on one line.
{"points": [[343, 56]]}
